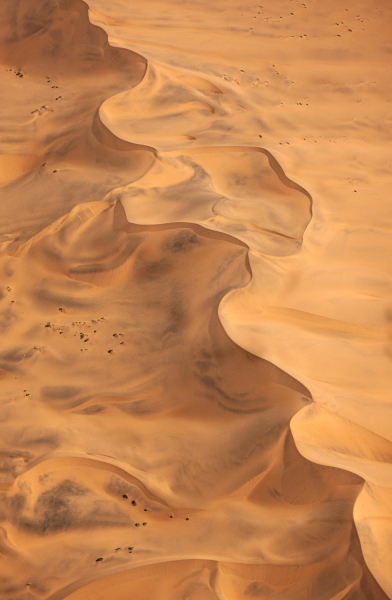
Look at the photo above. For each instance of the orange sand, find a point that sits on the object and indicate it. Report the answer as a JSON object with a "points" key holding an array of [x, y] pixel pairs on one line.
{"points": [[195, 307]]}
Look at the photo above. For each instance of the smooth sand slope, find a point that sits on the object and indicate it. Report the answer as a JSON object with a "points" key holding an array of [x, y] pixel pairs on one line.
{"points": [[195, 301]]}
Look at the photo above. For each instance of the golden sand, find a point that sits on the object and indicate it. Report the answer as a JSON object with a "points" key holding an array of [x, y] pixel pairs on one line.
{"points": [[195, 300]]}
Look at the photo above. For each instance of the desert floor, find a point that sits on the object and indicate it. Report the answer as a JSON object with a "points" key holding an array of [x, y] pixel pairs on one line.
{"points": [[195, 300]]}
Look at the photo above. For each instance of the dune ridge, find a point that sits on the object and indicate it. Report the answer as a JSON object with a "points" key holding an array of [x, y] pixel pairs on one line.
{"points": [[116, 264], [249, 323]]}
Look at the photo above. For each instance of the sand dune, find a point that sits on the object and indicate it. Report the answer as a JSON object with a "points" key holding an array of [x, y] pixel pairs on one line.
{"points": [[195, 307], [13, 166]]}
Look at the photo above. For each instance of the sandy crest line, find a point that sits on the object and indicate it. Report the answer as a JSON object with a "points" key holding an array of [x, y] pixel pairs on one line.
{"points": [[84, 581], [364, 497], [101, 462]]}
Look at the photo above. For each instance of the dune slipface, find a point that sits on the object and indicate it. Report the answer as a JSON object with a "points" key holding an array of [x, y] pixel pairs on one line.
{"points": [[194, 301]]}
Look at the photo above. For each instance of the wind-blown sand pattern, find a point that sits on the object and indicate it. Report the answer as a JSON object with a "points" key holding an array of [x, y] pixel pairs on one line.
{"points": [[195, 301]]}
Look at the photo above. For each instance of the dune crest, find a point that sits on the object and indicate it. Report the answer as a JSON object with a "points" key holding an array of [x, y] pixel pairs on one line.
{"points": [[13, 166], [193, 368], [319, 355]]}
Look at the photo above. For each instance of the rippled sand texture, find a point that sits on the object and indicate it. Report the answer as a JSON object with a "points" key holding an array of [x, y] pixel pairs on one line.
{"points": [[195, 301]]}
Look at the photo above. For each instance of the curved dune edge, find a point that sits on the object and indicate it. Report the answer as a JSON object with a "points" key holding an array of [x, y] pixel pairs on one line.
{"points": [[113, 411], [104, 463], [13, 166], [257, 491], [213, 580], [251, 325]]}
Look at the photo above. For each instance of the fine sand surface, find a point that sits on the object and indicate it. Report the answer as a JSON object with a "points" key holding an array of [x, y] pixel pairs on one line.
{"points": [[195, 300]]}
